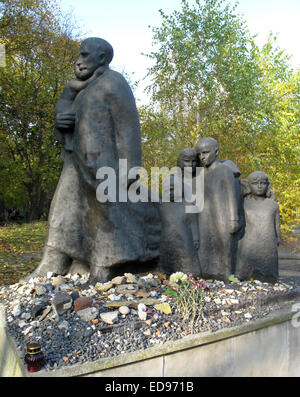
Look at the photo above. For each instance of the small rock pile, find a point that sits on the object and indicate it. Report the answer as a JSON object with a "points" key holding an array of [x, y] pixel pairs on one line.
{"points": [[77, 322]]}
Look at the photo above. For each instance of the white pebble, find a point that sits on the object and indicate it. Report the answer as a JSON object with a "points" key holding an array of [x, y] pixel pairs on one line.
{"points": [[114, 297], [109, 317], [26, 316], [16, 310], [142, 315], [142, 307], [124, 310], [21, 323], [163, 298], [217, 301], [27, 330], [234, 301]]}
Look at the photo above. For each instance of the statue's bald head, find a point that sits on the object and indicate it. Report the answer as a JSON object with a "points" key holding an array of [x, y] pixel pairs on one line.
{"points": [[97, 45], [207, 142], [94, 53], [207, 150]]}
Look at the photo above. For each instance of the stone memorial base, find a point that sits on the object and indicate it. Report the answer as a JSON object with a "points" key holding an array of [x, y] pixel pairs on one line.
{"points": [[266, 347], [266, 344]]}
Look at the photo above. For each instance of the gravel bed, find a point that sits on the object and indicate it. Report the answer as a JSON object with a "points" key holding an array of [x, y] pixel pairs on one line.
{"points": [[34, 312]]}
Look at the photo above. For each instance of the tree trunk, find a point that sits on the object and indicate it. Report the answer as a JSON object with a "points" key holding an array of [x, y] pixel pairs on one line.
{"points": [[37, 201]]}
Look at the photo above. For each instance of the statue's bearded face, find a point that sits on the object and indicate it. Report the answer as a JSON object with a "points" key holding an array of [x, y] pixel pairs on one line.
{"points": [[90, 59]]}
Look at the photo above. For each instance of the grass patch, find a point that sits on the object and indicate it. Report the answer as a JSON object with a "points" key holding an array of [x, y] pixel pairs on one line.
{"points": [[20, 250]]}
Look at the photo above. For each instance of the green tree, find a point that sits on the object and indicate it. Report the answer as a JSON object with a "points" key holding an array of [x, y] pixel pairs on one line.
{"points": [[41, 45], [276, 143], [209, 78], [204, 72]]}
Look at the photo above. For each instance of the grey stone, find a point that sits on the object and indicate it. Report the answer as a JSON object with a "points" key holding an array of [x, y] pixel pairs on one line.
{"points": [[61, 302], [142, 283], [88, 314], [152, 282], [63, 325], [40, 290], [119, 280], [49, 287], [104, 287], [63, 288], [109, 317], [38, 309], [127, 289], [75, 295], [130, 278], [26, 316], [59, 280]]}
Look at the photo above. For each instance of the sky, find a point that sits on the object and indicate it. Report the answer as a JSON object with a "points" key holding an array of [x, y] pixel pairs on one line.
{"points": [[125, 25]]}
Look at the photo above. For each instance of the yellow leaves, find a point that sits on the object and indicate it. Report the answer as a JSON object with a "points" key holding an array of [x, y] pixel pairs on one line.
{"points": [[163, 308], [19, 250]]}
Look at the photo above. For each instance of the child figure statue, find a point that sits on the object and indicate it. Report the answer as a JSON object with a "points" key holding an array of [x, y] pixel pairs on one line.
{"points": [[257, 252], [180, 232]]}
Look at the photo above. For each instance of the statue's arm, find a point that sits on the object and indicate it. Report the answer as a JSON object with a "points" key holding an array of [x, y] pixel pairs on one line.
{"points": [[277, 224], [232, 200]]}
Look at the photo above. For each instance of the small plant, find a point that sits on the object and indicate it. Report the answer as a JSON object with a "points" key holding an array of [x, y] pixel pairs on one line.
{"points": [[187, 292], [177, 277]]}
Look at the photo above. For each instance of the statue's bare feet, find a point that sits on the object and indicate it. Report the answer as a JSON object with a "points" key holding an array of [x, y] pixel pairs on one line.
{"points": [[52, 261], [99, 274]]}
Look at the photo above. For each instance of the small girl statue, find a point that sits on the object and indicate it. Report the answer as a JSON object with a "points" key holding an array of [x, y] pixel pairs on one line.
{"points": [[257, 252]]}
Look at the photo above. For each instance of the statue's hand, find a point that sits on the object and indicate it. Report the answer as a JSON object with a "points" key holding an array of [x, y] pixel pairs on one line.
{"points": [[65, 121], [234, 227]]}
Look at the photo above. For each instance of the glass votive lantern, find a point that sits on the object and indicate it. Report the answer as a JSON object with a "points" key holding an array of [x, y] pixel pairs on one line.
{"points": [[34, 357]]}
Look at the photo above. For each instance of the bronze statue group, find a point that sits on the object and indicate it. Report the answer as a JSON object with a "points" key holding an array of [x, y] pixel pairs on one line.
{"points": [[96, 121], [236, 232]]}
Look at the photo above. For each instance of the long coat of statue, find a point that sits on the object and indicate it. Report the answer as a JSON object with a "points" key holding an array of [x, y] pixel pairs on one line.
{"points": [[102, 235]]}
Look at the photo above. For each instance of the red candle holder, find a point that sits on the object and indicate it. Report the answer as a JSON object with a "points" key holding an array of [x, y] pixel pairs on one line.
{"points": [[34, 357]]}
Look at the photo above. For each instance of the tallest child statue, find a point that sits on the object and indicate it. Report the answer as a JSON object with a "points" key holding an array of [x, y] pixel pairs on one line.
{"points": [[97, 123]]}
